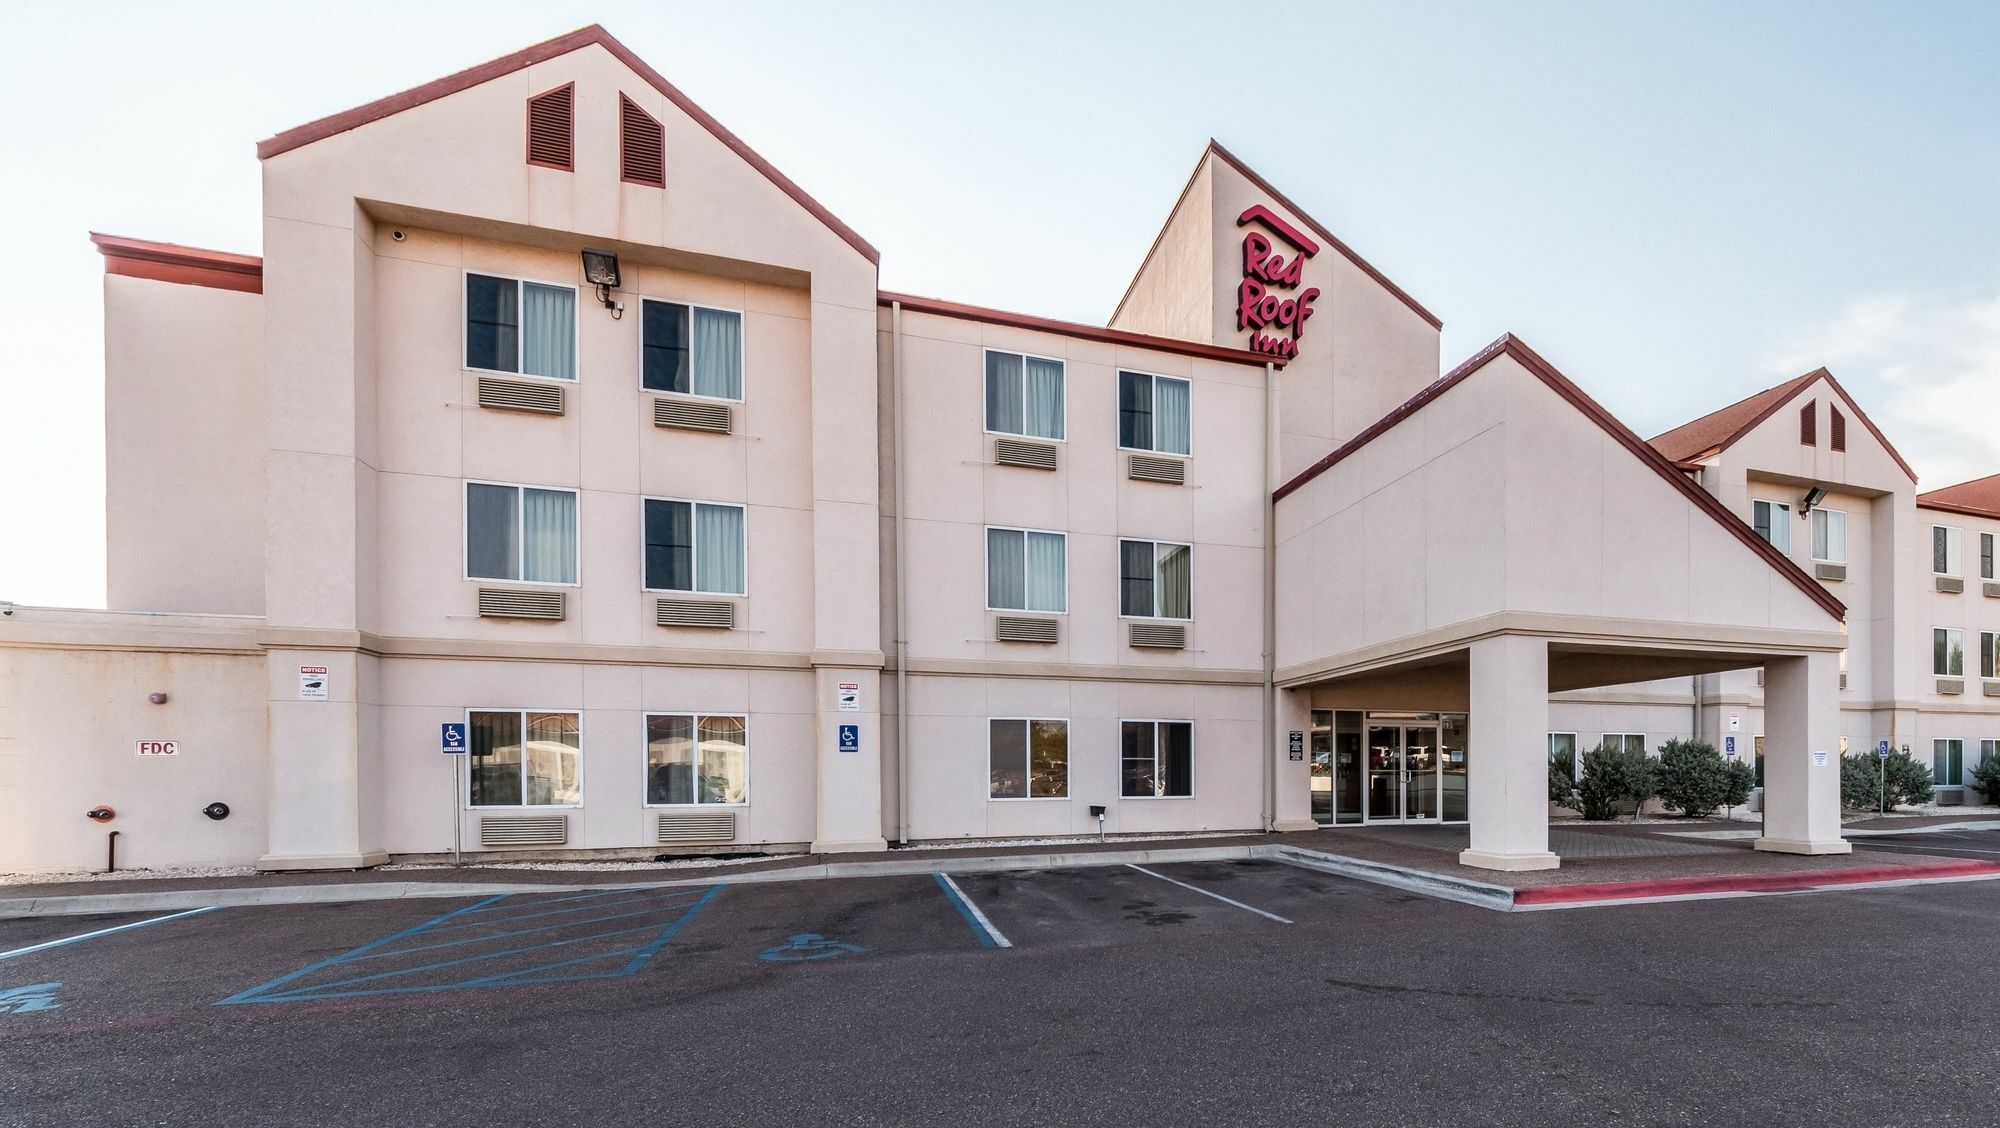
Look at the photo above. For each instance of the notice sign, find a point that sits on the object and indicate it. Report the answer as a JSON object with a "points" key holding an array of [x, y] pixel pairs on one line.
{"points": [[312, 683], [1735, 721], [159, 748], [1297, 748], [850, 697], [1819, 759]]}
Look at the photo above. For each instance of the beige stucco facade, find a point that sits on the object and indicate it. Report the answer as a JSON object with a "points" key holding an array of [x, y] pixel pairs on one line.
{"points": [[1332, 531]]}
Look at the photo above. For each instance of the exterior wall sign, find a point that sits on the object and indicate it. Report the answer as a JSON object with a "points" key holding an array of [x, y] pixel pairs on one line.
{"points": [[159, 748], [850, 738], [850, 697], [1269, 302], [312, 683]]}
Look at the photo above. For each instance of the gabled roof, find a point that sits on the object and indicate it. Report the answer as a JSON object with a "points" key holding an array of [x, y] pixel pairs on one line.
{"points": [[942, 308], [1511, 346], [1978, 498], [171, 262], [1718, 430], [1215, 148], [542, 52]]}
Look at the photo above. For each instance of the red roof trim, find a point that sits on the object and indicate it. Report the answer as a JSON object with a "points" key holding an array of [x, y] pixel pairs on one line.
{"points": [[1962, 510], [188, 266], [1979, 497], [542, 52], [1511, 346], [917, 304], [1788, 391]]}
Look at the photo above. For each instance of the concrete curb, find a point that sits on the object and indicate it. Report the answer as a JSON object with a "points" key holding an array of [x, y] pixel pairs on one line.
{"points": [[1445, 886], [1939, 828]]}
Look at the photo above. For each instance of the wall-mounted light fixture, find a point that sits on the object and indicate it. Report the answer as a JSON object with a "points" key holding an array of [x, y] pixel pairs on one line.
{"points": [[1813, 497], [600, 269]]}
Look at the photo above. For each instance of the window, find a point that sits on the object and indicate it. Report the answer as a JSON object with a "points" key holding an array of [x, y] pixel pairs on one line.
{"points": [[524, 759], [1948, 652], [1986, 557], [1024, 395], [1627, 742], [520, 533], [1773, 522], [1157, 758], [1989, 654], [694, 546], [1809, 424], [1029, 759], [1026, 571], [527, 328], [1152, 413], [1948, 763], [1829, 528], [692, 350], [1989, 750], [1946, 549], [696, 758], [1155, 580], [1562, 750]]}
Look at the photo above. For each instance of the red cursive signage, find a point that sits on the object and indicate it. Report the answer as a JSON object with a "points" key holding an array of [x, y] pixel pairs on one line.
{"points": [[1265, 300]]}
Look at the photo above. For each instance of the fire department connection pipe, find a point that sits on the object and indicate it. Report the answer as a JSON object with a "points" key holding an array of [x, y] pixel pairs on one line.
{"points": [[902, 587]]}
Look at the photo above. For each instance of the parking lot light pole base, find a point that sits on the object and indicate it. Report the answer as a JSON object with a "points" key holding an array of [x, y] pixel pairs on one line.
{"points": [[1796, 846], [1481, 859]]}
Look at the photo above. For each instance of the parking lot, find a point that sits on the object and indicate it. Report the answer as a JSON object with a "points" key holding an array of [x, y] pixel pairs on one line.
{"points": [[1209, 992]]}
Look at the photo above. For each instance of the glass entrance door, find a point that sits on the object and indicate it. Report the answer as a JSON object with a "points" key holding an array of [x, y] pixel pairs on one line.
{"points": [[1404, 773], [1420, 774]]}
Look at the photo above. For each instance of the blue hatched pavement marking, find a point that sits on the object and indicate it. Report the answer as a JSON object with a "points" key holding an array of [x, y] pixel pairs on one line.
{"points": [[346, 988]]}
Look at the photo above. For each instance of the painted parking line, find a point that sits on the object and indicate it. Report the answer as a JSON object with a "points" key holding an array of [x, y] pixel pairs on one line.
{"points": [[989, 936], [1207, 893], [483, 947], [47, 944]]}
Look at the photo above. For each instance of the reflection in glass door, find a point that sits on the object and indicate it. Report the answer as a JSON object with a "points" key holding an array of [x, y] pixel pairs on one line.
{"points": [[1385, 773], [1404, 773], [1420, 774]]}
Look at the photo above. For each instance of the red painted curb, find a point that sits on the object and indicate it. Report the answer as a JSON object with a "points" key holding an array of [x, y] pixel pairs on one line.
{"points": [[1745, 883]]}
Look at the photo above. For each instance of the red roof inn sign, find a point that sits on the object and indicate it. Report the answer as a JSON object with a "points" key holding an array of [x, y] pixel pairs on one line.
{"points": [[1269, 302]]}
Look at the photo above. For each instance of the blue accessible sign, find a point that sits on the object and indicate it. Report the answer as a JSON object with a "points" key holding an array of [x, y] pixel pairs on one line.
{"points": [[850, 738], [1881, 750], [452, 739]]}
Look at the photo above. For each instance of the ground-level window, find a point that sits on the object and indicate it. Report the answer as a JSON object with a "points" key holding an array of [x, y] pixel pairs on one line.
{"points": [[1152, 413], [1757, 748], [1157, 758], [1947, 550], [1829, 529], [525, 759], [1773, 522], [1028, 758], [696, 758], [1156, 580], [1948, 763], [694, 546], [1024, 395], [1562, 751], [1627, 742], [1948, 652], [1989, 750], [520, 533], [1026, 570], [522, 327], [691, 349]]}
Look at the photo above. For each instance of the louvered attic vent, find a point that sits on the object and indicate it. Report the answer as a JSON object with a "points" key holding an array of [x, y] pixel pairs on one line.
{"points": [[1809, 424], [552, 128], [642, 146], [1836, 428]]}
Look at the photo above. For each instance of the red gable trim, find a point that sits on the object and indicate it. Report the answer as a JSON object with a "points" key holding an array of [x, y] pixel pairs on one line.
{"points": [[188, 266], [916, 304], [1789, 391], [542, 52], [1509, 345], [1961, 510]]}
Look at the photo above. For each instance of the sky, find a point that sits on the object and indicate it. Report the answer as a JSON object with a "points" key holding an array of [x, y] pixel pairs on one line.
{"points": [[1677, 203]]}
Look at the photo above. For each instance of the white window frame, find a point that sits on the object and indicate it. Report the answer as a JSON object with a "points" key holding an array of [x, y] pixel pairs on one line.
{"points": [[1775, 524], [1989, 648], [1827, 515], [1958, 740], [985, 551], [645, 766], [742, 345], [465, 795], [520, 535], [1952, 634], [1576, 752], [1624, 738], [575, 336], [1157, 546], [1989, 556], [1025, 357], [1028, 751], [1155, 448], [1954, 550], [1156, 722], [695, 563]]}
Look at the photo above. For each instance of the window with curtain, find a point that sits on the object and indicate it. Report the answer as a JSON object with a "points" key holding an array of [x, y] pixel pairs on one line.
{"points": [[1562, 752], [1024, 395], [1829, 527], [1152, 413], [1986, 562], [1948, 652], [520, 533], [1948, 763], [1026, 571], [527, 328], [692, 350], [1946, 548], [1626, 742], [1989, 654], [694, 758], [1156, 580], [694, 546], [1773, 522], [1027, 758], [1157, 759], [525, 759]]}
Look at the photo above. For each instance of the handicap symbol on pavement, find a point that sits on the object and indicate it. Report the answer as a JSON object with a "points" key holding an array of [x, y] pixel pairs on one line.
{"points": [[34, 997], [809, 946]]}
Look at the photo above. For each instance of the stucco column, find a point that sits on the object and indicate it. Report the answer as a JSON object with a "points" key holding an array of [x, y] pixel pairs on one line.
{"points": [[1508, 776], [1294, 713], [1802, 756]]}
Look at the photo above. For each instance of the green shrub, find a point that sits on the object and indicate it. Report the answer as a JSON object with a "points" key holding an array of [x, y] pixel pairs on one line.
{"points": [[1986, 777], [1738, 780], [1866, 781], [1693, 777], [1612, 777], [1562, 780]]}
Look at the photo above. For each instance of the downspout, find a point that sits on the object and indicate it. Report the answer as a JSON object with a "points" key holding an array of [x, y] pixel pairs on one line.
{"points": [[1270, 599], [902, 587]]}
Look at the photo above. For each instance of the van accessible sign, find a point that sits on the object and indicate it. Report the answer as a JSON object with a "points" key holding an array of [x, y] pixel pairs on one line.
{"points": [[1269, 302]]}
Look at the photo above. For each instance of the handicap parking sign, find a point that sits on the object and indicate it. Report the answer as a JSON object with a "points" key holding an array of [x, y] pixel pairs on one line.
{"points": [[1881, 750], [452, 739], [1729, 747], [850, 738]]}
